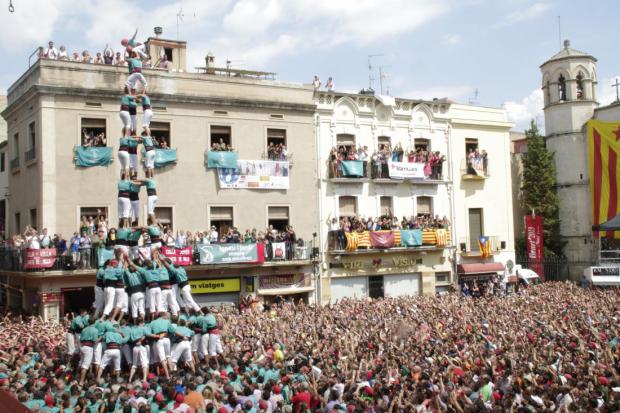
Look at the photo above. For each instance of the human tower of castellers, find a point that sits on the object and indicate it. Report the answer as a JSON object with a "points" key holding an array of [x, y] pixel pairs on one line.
{"points": [[143, 312]]}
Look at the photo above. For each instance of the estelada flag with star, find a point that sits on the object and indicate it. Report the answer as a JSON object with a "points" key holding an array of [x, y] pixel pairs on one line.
{"points": [[604, 157]]}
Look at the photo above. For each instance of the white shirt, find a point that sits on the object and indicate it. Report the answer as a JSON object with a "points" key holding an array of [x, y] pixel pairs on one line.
{"points": [[44, 240], [51, 53], [334, 226], [32, 242], [330, 86], [213, 236], [62, 55]]}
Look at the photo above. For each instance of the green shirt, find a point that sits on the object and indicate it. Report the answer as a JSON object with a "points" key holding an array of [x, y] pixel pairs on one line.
{"points": [[133, 279], [150, 184], [147, 141], [124, 186], [133, 187], [154, 231], [113, 274], [134, 236], [137, 332], [186, 332], [114, 337], [90, 333], [124, 141], [161, 325], [123, 233], [150, 276], [77, 323], [178, 273], [104, 326], [163, 275], [133, 143]]}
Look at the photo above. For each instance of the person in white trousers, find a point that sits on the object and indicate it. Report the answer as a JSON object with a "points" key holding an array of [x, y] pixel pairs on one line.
{"points": [[182, 288]]}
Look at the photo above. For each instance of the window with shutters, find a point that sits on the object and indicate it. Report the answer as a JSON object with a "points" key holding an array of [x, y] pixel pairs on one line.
{"points": [[165, 217], [424, 206], [383, 142], [476, 228], [422, 144], [220, 137], [160, 131], [276, 144], [278, 217], [386, 206], [347, 206], [346, 141], [94, 132], [221, 218]]}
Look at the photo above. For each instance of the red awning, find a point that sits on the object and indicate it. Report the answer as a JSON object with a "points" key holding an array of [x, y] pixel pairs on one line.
{"points": [[480, 268]]}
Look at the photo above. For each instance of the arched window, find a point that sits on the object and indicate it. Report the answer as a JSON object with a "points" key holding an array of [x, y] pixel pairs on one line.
{"points": [[562, 88], [580, 86], [548, 90]]}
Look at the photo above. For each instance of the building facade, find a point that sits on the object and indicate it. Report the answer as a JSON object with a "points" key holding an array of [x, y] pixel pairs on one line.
{"points": [[472, 195], [55, 102], [569, 88]]}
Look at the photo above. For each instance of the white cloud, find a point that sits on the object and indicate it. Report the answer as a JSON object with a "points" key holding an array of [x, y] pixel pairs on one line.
{"points": [[458, 93], [524, 14], [522, 112], [451, 39], [32, 23], [606, 94]]}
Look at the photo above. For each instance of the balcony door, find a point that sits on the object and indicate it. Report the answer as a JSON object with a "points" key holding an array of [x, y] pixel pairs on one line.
{"points": [[475, 227]]}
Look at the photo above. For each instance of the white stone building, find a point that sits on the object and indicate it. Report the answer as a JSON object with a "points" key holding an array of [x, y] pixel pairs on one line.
{"points": [[476, 203]]}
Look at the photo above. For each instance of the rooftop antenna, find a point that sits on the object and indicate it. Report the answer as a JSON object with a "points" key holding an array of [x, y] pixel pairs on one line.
{"points": [[179, 19], [560, 31], [474, 101], [383, 76], [616, 85], [370, 77]]}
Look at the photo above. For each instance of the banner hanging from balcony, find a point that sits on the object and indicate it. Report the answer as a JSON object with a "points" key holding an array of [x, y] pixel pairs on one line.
{"points": [[163, 157], [352, 168], [411, 237], [282, 281], [604, 162], [484, 244], [231, 253], [39, 259], [255, 175], [93, 156], [104, 254], [179, 256], [278, 251], [222, 159], [406, 170], [534, 243], [382, 239]]}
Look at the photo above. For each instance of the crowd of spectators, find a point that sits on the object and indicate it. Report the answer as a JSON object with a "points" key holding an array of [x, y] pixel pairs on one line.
{"points": [[106, 57], [79, 251], [477, 161], [379, 159], [221, 146], [549, 348], [92, 139], [386, 222], [277, 152]]}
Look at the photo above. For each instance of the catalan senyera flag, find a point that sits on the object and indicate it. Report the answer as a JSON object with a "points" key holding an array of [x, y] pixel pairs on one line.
{"points": [[484, 243], [603, 156]]}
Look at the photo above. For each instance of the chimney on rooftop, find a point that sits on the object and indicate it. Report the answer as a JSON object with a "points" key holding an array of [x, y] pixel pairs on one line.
{"points": [[158, 31]]}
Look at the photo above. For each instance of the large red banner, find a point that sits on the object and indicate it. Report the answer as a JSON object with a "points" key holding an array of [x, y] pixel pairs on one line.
{"points": [[39, 259], [534, 244], [382, 239], [182, 256]]}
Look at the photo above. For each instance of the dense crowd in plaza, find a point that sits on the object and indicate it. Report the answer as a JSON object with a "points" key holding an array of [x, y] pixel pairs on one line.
{"points": [[552, 347]]}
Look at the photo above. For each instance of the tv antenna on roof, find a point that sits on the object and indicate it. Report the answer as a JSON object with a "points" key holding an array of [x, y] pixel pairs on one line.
{"points": [[179, 19], [474, 101], [370, 76], [384, 76]]}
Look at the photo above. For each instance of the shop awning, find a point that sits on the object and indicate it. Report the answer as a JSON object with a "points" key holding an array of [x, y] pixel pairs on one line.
{"points": [[480, 268]]}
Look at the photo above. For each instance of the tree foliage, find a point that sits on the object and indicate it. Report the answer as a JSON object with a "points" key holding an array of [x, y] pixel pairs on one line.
{"points": [[539, 189]]}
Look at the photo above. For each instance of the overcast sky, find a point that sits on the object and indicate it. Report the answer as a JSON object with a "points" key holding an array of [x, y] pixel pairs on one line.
{"points": [[430, 48]]}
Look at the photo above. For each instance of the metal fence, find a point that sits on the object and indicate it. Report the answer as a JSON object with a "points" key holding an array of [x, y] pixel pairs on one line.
{"points": [[555, 268]]}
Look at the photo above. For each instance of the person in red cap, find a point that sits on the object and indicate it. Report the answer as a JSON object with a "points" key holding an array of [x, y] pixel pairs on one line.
{"points": [[301, 400]]}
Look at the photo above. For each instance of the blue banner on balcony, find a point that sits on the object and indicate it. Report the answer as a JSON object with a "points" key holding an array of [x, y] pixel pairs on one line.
{"points": [[352, 168], [222, 159], [103, 255], [164, 157], [93, 156], [411, 237]]}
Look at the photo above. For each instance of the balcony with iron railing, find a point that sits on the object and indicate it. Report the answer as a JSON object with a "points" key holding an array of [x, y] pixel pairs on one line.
{"points": [[471, 247], [385, 173], [30, 155], [475, 168], [340, 242], [88, 259]]}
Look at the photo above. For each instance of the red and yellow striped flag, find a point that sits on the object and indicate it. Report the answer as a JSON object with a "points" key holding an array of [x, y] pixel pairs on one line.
{"points": [[603, 151]]}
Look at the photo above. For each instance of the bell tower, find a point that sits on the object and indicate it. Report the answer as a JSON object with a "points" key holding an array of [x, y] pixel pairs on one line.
{"points": [[569, 90]]}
